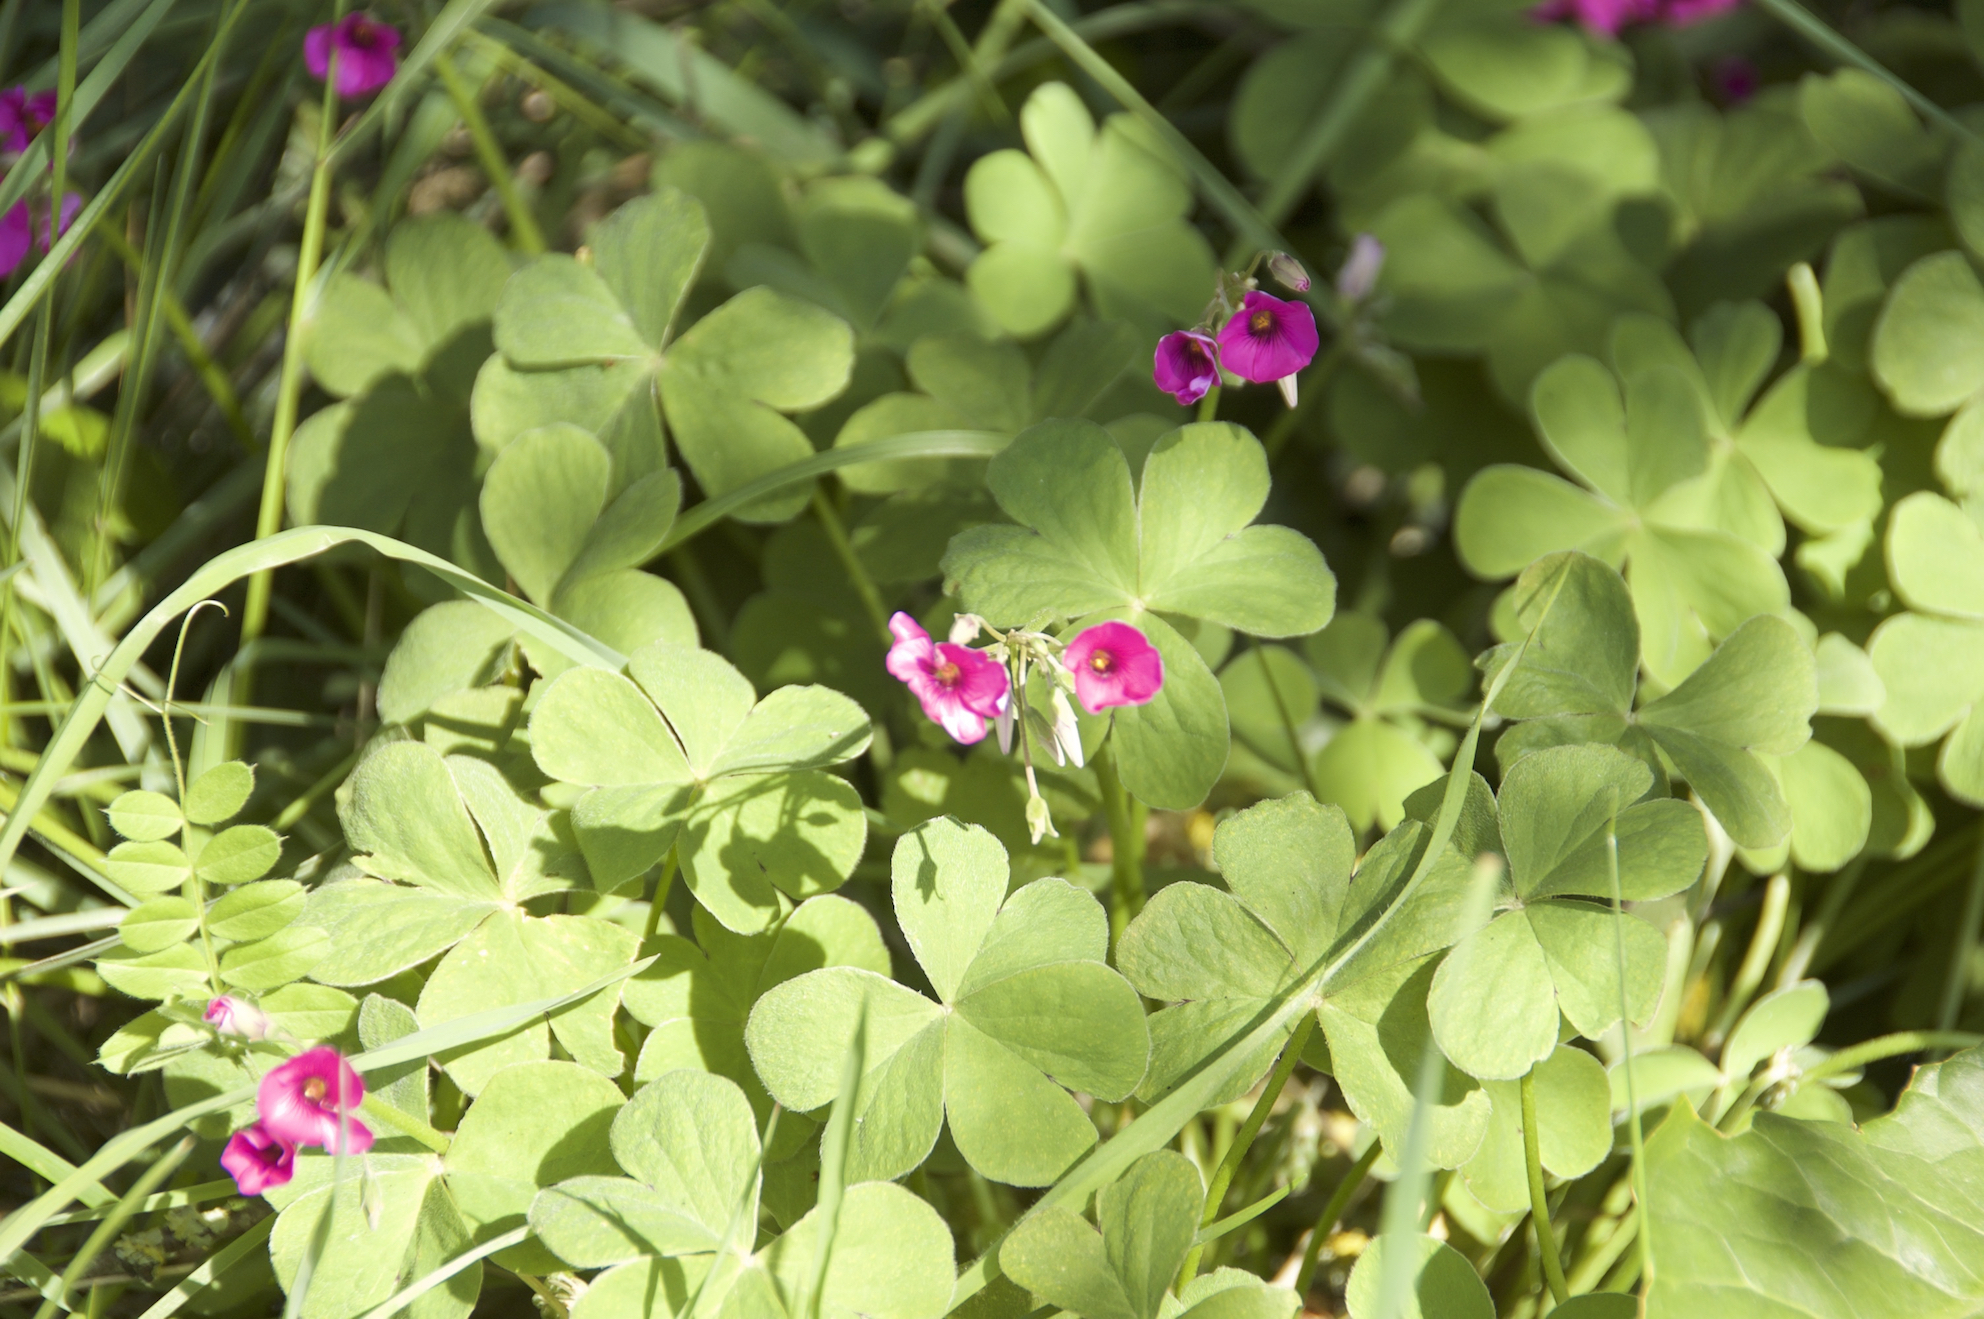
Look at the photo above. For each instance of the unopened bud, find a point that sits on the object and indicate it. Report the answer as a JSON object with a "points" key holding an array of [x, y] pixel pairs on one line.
{"points": [[1288, 271], [233, 1016], [1039, 823], [1359, 274], [964, 629]]}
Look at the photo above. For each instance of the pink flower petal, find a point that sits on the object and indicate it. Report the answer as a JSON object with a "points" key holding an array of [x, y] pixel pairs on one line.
{"points": [[257, 1160], [15, 237], [1114, 664], [300, 1101], [1268, 338]]}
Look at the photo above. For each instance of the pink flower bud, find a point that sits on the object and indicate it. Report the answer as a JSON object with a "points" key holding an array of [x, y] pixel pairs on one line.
{"points": [[1358, 275], [365, 50], [234, 1016], [1114, 664], [1187, 365], [1288, 272]]}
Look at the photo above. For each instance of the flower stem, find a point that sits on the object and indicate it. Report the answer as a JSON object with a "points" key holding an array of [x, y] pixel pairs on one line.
{"points": [[1332, 1212], [1756, 960], [1126, 837], [1222, 1177], [1890, 1046], [1539, 1204], [523, 225], [1958, 978], [289, 389], [403, 1122], [864, 585], [661, 888], [1209, 405]]}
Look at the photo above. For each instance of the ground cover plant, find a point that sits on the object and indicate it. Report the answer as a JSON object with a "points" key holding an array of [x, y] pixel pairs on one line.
{"points": [[877, 658]]}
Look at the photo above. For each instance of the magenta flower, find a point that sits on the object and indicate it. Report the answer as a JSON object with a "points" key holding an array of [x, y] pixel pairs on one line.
{"points": [[258, 1161], [1682, 13], [1187, 365], [22, 116], [1114, 664], [1605, 17], [236, 1016], [1269, 340], [365, 53], [959, 688], [298, 1104]]}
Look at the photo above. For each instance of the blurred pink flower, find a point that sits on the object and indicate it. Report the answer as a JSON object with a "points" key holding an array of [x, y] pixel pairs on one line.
{"points": [[258, 1161], [1607, 17], [236, 1016], [1269, 340], [23, 224], [22, 116], [959, 688], [1114, 664], [1680, 13], [300, 1101], [1358, 276], [365, 50], [1187, 365], [1736, 79]]}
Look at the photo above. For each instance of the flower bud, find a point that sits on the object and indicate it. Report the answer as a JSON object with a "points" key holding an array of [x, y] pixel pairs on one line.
{"points": [[965, 629], [1038, 823], [1359, 273], [1288, 272], [234, 1016]]}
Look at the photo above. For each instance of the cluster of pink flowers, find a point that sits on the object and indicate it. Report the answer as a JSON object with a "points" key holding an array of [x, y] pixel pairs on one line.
{"points": [[311, 1100], [1609, 16], [24, 226], [366, 52], [960, 689], [1267, 341]]}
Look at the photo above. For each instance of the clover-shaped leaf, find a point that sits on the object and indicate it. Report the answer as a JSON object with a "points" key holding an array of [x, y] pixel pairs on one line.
{"points": [[1575, 679], [1091, 545], [1221, 957], [585, 343], [689, 1144], [1573, 1129], [1025, 1006], [681, 754], [1638, 458], [698, 996], [1496, 999], [1109, 205], [1930, 659]]}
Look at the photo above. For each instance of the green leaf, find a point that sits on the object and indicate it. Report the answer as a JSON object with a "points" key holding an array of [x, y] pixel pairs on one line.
{"points": [[539, 502], [1573, 1126], [1034, 1009], [751, 837], [1582, 655], [1557, 807], [534, 1125], [648, 252], [385, 1230], [556, 312], [447, 647], [145, 868], [405, 817], [1927, 342], [760, 348], [598, 728], [632, 528], [690, 1143], [158, 924], [1440, 1283], [145, 817], [892, 1258], [289, 954], [378, 930], [1736, 1216], [255, 911], [1369, 767], [1785, 1018], [1170, 750], [219, 793], [1147, 1221], [237, 854]]}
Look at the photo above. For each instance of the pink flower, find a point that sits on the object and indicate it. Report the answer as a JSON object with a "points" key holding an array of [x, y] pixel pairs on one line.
{"points": [[364, 48], [959, 688], [234, 1016], [1682, 13], [23, 225], [1268, 339], [1187, 365], [22, 116], [1605, 17], [258, 1161], [1114, 664], [298, 1104]]}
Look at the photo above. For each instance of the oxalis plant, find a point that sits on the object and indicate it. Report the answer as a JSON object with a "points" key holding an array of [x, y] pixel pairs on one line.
{"points": [[1134, 661]]}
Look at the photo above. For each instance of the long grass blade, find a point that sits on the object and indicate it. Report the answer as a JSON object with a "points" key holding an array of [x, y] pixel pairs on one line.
{"points": [[215, 1268]]}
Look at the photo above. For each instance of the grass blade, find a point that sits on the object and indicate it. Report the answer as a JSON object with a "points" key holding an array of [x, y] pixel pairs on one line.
{"points": [[216, 1267]]}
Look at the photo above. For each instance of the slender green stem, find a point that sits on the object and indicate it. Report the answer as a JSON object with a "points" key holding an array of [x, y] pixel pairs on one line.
{"points": [[1635, 1131], [1757, 958], [1809, 305], [523, 225], [1813, 933], [405, 1123], [1889, 1046], [1592, 1268], [1209, 406], [1222, 1177], [660, 901], [1539, 1200], [1367, 75], [1126, 844], [1333, 1211], [864, 585], [289, 389], [1288, 725], [1957, 980]]}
